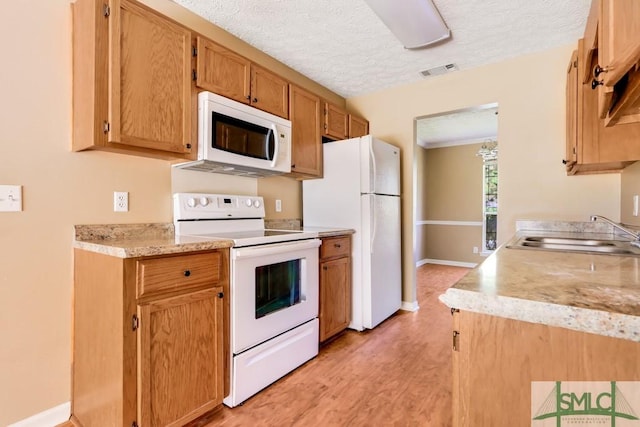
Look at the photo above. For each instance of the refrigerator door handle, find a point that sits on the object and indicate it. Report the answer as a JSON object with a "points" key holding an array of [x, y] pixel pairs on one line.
{"points": [[374, 172], [374, 220]]}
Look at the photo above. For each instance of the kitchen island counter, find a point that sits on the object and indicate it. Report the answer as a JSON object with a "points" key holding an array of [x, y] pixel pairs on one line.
{"points": [[585, 292]]}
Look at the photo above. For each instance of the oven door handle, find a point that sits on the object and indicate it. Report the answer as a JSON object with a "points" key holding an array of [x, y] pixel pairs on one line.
{"points": [[275, 248]]}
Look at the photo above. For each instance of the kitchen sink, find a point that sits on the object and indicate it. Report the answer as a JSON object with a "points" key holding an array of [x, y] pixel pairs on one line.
{"points": [[575, 244]]}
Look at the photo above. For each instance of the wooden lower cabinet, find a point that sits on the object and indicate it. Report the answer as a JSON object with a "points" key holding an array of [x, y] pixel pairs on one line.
{"points": [[496, 359], [335, 286], [149, 338]]}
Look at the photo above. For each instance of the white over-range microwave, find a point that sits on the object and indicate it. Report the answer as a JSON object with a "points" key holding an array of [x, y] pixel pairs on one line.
{"points": [[237, 139]]}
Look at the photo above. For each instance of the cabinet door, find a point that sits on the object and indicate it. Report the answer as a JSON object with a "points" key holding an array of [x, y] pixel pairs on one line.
{"points": [[620, 43], [335, 296], [269, 92], [572, 111], [335, 122], [150, 93], [180, 358], [306, 141], [505, 356], [222, 71], [357, 126], [618, 54]]}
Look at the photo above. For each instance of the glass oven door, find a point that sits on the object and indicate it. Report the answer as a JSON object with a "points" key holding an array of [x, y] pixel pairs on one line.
{"points": [[274, 288]]}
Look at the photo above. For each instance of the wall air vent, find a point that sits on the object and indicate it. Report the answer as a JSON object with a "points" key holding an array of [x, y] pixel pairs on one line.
{"points": [[436, 71]]}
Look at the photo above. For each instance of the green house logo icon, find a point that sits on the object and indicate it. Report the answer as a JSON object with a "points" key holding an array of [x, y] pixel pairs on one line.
{"points": [[584, 407]]}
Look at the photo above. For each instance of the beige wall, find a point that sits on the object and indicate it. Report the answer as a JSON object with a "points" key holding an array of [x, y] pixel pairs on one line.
{"points": [[452, 185], [531, 130], [450, 243], [449, 189], [62, 188], [630, 187]]}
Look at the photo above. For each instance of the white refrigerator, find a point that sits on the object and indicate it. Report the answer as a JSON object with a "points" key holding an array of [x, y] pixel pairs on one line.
{"points": [[361, 190]]}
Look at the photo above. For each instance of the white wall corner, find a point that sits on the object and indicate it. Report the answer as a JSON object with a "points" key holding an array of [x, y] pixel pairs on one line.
{"points": [[410, 306], [50, 417]]}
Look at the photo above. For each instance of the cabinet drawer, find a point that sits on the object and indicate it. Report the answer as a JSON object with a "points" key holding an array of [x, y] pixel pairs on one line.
{"points": [[335, 246], [158, 275]]}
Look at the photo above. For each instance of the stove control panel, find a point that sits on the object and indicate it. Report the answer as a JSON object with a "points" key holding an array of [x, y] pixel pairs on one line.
{"points": [[193, 206]]}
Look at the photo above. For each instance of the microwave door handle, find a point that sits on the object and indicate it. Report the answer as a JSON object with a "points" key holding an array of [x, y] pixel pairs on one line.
{"points": [[276, 148]]}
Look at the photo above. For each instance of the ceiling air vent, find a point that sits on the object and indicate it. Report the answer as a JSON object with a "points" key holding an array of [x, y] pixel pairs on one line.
{"points": [[436, 71]]}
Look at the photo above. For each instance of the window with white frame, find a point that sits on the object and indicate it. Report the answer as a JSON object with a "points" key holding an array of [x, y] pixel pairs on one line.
{"points": [[489, 154]]}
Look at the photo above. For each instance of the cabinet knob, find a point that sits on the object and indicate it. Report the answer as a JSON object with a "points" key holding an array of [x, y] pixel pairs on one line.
{"points": [[337, 245], [255, 100], [324, 267], [564, 162], [599, 70], [220, 295], [595, 83], [188, 146], [187, 273], [249, 97]]}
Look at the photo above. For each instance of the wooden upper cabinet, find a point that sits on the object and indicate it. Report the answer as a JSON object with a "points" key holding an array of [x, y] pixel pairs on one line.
{"points": [[269, 92], [572, 110], [591, 146], [306, 140], [131, 80], [589, 46], [357, 126], [226, 73], [618, 57], [222, 71], [336, 125]]}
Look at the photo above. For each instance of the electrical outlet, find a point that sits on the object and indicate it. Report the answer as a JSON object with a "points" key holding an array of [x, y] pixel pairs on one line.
{"points": [[120, 201], [476, 250], [278, 205], [10, 198]]}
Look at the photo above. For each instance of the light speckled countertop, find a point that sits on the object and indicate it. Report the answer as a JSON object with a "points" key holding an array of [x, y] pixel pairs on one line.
{"points": [[598, 294], [138, 240]]}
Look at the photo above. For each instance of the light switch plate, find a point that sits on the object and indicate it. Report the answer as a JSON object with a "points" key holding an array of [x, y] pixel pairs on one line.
{"points": [[10, 198], [635, 205]]}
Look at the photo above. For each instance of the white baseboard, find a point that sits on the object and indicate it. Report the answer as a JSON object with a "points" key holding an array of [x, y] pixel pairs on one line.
{"points": [[445, 262], [49, 418], [410, 306]]}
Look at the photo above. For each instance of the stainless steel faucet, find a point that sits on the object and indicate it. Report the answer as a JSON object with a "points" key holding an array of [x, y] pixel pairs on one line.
{"points": [[634, 234]]}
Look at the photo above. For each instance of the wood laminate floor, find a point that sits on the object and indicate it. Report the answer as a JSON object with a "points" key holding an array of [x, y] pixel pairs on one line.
{"points": [[398, 374]]}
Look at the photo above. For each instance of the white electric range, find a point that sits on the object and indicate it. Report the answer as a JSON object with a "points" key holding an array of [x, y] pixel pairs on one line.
{"points": [[273, 285]]}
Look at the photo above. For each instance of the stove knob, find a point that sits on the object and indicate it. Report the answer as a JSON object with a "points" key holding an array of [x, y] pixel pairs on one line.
{"points": [[204, 201], [191, 202], [248, 202], [256, 203]]}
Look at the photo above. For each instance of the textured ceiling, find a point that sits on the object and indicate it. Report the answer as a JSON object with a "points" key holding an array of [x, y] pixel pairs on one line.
{"points": [[473, 125], [344, 46]]}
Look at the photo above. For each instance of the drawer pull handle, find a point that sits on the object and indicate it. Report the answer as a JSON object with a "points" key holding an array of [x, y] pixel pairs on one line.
{"points": [[337, 245], [187, 273]]}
